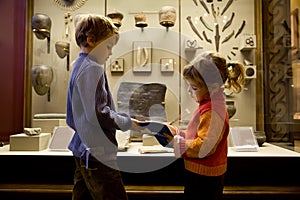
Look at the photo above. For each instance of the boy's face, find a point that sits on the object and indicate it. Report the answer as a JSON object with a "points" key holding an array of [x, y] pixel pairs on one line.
{"points": [[196, 90], [103, 49]]}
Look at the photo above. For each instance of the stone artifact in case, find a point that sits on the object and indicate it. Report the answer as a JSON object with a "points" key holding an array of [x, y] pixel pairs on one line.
{"points": [[41, 78], [167, 16], [63, 49], [116, 18], [140, 20]]}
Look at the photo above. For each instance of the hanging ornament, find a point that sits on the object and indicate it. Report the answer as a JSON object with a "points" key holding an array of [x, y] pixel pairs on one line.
{"points": [[69, 5]]}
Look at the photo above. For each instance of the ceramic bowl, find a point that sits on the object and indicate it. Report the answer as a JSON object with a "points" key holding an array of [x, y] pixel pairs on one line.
{"points": [[260, 137]]}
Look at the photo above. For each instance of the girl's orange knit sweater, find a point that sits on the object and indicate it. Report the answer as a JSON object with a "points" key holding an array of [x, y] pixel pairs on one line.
{"points": [[204, 142]]}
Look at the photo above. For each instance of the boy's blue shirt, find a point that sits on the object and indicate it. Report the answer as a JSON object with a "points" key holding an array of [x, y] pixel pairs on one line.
{"points": [[91, 111]]}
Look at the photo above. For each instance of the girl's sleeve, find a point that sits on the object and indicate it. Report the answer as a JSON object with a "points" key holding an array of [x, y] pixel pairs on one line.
{"points": [[209, 133]]}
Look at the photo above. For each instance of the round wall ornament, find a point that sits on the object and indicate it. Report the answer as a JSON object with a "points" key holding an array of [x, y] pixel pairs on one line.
{"points": [[69, 5]]}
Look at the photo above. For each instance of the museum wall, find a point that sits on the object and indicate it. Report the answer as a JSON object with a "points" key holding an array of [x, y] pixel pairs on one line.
{"points": [[178, 43]]}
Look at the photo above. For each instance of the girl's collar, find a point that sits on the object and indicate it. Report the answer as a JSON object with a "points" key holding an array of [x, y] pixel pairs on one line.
{"points": [[212, 95]]}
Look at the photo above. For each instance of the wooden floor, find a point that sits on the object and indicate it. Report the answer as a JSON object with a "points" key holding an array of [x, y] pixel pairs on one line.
{"points": [[64, 192]]}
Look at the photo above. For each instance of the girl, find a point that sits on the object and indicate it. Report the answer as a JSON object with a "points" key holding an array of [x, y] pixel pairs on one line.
{"points": [[203, 145]]}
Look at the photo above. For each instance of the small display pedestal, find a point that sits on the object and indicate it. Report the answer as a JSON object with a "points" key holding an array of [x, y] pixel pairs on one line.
{"points": [[23, 142]]}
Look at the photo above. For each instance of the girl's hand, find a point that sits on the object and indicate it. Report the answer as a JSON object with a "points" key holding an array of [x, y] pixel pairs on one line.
{"points": [[173, 129], [176, 146]]}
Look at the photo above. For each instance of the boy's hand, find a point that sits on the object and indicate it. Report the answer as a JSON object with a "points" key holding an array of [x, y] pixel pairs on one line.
{"points": [[135, 125]]}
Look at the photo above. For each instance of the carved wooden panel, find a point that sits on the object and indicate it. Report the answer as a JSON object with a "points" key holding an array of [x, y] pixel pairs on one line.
{"points": [[277, 67]]}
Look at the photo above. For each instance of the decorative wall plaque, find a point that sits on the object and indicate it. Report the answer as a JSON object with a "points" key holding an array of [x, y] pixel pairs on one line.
{"points": [[142, 56], [117, 65], [167, 64]]}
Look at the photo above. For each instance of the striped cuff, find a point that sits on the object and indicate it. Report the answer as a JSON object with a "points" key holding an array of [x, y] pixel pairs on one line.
{"points": [[182, 146]]}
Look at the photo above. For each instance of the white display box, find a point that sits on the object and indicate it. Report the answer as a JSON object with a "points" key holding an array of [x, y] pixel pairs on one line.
{"points": [[23, 142], [243, 139], [61, 137]]}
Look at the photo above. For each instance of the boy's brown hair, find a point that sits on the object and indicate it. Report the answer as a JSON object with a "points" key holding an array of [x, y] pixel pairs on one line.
{"points": [[96, 26]]}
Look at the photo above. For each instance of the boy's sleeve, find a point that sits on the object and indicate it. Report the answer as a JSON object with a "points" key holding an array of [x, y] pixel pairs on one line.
{"points": [[96, 105], [106, 115]]}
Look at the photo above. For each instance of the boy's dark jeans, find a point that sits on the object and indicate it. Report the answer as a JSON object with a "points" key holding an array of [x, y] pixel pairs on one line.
{"points": [[97, 182]]}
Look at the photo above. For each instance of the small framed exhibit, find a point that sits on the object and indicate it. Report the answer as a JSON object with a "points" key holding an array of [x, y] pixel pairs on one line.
{"points": [[117, 65], [142, 56], [167, 64]]}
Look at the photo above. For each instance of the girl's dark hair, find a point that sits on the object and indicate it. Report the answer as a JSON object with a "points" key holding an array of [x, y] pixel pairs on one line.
{"points": [[211, 68]]}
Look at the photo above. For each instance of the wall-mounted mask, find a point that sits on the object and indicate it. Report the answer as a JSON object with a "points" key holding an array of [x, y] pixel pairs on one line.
{"points": [[116, 18], [41, 26], [167, 16], [41, 79], [63, 49]]}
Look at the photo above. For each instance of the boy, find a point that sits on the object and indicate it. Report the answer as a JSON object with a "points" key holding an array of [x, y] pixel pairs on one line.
{"points": [[91, 113]]}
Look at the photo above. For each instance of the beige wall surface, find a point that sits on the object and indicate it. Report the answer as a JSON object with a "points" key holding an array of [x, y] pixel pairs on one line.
{"points": [[242, 10], [58, 90], [165, 43]]}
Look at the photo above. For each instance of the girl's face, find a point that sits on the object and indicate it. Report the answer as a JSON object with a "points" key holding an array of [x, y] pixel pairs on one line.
{"points": [[196, 90]]}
